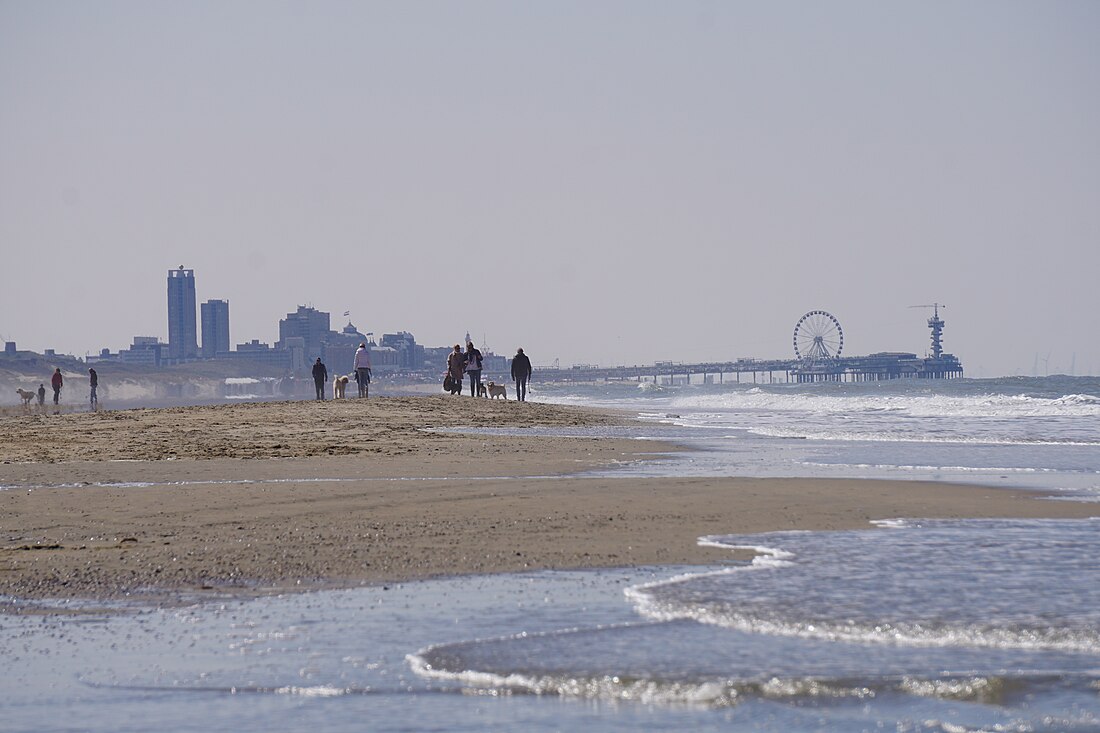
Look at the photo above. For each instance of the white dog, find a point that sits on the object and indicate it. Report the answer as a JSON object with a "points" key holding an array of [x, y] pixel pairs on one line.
{"points": [[27, 396], [496, 390], [339, 386]]}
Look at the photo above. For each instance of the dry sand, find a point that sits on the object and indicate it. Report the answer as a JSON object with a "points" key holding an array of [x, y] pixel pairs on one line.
{"points": [[264, 497]]}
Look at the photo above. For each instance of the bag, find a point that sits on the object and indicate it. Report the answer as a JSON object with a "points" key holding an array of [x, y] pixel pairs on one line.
{"points": [[448, 383]]}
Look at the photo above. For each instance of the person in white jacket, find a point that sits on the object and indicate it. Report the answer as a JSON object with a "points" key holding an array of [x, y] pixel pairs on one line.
{"points": [[362, 369]]}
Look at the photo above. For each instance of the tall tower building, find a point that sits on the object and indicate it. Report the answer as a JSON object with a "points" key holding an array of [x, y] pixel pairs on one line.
{"points": [[215, 328], [306, 323], [183, 340]]}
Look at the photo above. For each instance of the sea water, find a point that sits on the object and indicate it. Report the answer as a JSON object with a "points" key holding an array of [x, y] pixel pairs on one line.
{"points": [[913, 625], [1023, 432]]}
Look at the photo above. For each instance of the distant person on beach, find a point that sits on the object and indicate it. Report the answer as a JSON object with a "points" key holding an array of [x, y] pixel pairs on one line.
{"points": [[41, 394], [456, 362], [57, 383], [521, 372], [93, 382], [473, 368], [362, 369], [320, 376]]}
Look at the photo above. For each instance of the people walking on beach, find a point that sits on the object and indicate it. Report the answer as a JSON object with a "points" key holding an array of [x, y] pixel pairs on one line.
{"points": [[362, 369], [473, 368], [521, 372], [41, 394], [93, 382], [456, 362], [57, 382], [320, 376]]}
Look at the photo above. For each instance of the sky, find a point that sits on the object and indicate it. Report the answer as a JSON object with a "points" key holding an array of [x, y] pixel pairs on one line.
{"points": [[598, 182]]}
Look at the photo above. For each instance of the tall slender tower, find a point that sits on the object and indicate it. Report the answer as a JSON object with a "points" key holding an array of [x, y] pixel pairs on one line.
{"points": [[183, 340], [936, 324], [215, 328]]}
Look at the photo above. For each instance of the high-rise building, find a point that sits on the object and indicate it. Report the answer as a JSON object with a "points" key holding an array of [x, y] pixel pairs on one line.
{"points": [[183, 340], [309, 324], [215, 328]]}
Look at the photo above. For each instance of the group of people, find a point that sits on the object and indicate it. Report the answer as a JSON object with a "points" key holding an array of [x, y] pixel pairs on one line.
{"points": [[362, 373], [468, 362], [57, 382], [459, 364]]}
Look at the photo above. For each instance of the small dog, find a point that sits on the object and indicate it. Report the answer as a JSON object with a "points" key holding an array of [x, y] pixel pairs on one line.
{"points": [[27, 396], [497, 390], [481, 389], [339, 386]]}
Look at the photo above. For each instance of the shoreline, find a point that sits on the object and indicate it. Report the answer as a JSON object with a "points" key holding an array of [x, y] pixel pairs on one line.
{"points": [[303, 495]]}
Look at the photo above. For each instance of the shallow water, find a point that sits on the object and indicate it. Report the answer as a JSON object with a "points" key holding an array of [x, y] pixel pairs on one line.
{"points": [[918, 626], [884, 628]]}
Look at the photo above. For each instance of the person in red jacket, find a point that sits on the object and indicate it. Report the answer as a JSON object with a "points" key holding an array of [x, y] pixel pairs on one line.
{"points": [[56, 382]]}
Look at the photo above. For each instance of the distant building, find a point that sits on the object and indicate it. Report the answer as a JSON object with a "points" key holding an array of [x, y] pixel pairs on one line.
{"points": [[148, 350], [338, 351], [410, 355], [215, 328], [182, 330], [435, 357], [495, 363], [385, 359], [309, 324], [295, 347], [260, 353], [104, 355], [9, 347]]}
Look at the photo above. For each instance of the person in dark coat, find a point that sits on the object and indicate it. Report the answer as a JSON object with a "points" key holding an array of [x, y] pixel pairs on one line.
{"points": [[93, 382], [57, 382], [521, 372], [320, 376]]}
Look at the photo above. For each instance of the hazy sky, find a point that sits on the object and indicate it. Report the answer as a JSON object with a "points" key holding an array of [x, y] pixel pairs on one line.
{"points": [[598, 182]]}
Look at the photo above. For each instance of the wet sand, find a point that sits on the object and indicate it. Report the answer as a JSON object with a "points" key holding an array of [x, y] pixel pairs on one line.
{"points": [[266, 497]]}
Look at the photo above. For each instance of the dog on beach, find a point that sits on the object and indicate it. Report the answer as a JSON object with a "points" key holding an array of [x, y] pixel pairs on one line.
{"points": [[339, 386], [27, 396], [481, 389], [496, 390]]}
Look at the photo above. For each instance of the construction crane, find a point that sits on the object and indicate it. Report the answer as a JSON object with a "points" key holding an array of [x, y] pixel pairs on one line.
{"points": [[936, 324]]}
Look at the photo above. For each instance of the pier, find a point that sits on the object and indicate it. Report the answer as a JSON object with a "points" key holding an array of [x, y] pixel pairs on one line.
{"points": [[818, 342], [873, 367]]}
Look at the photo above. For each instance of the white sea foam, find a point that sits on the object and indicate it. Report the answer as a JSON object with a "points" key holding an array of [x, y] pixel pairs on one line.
{"points": [[711, 693], [884, 436], [901, 634], [915, 405], [652, 603]]}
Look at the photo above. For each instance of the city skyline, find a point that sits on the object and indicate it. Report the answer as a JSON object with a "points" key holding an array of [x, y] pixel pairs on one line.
{"points": [[614, 184]]}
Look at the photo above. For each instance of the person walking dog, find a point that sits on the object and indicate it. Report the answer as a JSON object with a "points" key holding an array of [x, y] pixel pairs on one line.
{"points": [[521, 372]]}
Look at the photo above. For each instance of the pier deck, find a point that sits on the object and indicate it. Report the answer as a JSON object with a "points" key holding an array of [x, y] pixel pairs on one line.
{"points": [[874, 367]]}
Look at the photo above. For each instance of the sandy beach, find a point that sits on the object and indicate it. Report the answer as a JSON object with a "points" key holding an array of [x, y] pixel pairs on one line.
{"points": [[266, 497]]}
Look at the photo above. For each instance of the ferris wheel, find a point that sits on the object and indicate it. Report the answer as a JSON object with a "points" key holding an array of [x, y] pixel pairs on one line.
{"points": [[818, 335]]}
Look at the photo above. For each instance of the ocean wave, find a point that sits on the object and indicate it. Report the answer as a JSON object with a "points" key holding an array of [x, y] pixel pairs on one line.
{"points": [[839, 577], [947, 469], [710, 693], [893, 633], [880, 436], [439, 662], [915, 405]]}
